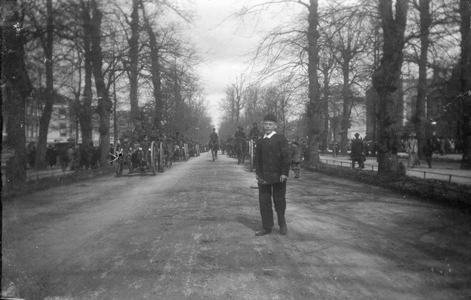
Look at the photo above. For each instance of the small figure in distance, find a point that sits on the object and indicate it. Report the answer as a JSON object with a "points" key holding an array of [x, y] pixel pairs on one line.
{"points": [[254, 132], [296, 158], [428, 151], [357, 151]]}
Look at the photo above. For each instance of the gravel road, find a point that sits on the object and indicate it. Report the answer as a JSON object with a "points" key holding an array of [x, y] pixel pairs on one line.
{"points": [[188, 233]]}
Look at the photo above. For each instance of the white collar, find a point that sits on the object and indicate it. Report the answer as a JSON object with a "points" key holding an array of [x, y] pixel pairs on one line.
{"points": [[269, 135]]}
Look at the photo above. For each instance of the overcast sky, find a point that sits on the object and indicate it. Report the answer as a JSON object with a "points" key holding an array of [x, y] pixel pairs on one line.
{"points": [[224, 42]]}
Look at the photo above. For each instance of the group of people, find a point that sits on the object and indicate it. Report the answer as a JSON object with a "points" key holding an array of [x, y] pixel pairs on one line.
{"points": [[67, 156], [173, 144], [410, 145], [412, 149]]}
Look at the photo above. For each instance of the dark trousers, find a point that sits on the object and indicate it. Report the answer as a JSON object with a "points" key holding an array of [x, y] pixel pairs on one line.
{"points": [[428, 159], [265, 194], [360, 162]]}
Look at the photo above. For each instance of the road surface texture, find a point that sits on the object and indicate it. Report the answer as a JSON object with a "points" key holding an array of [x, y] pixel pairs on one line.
{"points": [[188, 233]]}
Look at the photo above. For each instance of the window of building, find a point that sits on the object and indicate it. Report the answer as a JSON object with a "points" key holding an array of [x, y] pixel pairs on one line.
{"points": [[63, 129], [62, 113]]}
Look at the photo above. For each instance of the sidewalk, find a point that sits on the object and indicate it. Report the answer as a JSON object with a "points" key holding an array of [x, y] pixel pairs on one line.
{"points": [[32, 174], [441, 170]]}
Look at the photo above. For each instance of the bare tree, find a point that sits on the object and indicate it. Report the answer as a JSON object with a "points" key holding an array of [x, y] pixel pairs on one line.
{"points": [[314, 107], [104, 102], [351, 43], [326, 67], [16, 88], [423, 6], [465, 79], [238, 87], [155, 69], [45, 38], [386, 79]]}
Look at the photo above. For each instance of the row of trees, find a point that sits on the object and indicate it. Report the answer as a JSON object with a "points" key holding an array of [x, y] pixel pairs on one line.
{"points": [[245, 104], [105, 56], [369, 47]]}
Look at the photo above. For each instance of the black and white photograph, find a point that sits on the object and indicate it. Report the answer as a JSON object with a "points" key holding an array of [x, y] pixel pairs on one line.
{"points": [[236, 149]]}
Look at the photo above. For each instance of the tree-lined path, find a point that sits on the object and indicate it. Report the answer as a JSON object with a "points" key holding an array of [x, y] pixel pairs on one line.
{"points": [[188, 233]]}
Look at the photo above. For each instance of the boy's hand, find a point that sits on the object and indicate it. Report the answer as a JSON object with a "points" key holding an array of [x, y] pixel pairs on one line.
{"points": [[283, 178], [260, 180]]}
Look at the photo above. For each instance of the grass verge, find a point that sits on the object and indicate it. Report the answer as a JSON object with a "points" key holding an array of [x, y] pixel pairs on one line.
{"points": [[446, 193], [9, 193]]}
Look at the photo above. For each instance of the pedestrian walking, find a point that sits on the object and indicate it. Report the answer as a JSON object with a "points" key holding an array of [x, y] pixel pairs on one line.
{"points": [[357, 151], [51, 155], [442, 146], [428, 151], [32, 157], [63, 157], [272, 163], [412, 150], [296, 158]]}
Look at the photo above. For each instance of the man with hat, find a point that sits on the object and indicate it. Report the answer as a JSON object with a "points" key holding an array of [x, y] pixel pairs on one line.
{"points": [[254, 132], [272, 162], [357, 151]]}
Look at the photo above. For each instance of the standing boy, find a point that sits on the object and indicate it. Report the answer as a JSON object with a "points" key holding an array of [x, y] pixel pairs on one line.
{"points": [[272, 163]]}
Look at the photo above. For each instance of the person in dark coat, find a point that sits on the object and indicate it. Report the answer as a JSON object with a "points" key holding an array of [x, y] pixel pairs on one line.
{"points": [[272, 164], [254, 132], [32, 157], [428, 151], [51, 155], [357, 151]]}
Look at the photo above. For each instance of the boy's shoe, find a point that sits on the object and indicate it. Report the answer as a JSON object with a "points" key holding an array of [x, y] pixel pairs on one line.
{"points": [[263, 232], [283, 229]]}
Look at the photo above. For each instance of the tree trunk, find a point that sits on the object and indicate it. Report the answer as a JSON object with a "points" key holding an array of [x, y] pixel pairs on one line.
{"points": [[465, 78], [16, 89], [84, 108], [104, 102], [314, 107], [48, 96], [155, 71], [325, 106], [386, 79], [133, 63], [420, 118], [345, 123]]}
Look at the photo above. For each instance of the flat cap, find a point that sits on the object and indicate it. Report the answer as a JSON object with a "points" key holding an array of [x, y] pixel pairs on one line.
{"points": [[271, 118]]}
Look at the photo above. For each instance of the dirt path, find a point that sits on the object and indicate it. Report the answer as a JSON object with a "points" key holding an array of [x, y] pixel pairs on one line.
{"points": [[189, 234]]}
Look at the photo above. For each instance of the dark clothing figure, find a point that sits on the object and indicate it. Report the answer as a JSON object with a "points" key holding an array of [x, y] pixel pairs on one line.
{"points": [[296, 158], [32, 157], [428, 151], [254, 132], [266, 192], [240, 135], [213, 136], [63, 157], [357, 152], [272, 160], [51, 156]]}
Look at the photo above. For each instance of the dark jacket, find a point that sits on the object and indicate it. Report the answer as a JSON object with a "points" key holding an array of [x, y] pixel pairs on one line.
{"points": [[428, 149], [296, 153], [357, 149], [272, 158]]}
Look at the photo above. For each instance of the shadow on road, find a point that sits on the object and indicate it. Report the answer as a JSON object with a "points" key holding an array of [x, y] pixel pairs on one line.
{"points": [[251, 223]]}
